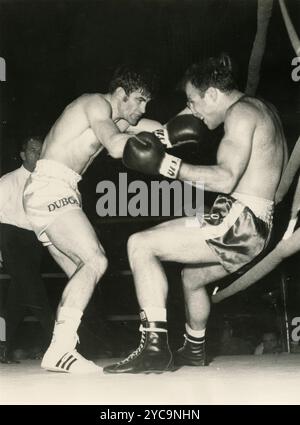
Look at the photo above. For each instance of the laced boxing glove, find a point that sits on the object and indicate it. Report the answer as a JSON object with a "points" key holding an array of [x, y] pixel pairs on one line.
{"points": [[145, 153], [181, 128]]}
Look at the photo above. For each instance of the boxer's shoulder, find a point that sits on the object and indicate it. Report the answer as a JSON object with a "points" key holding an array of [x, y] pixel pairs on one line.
{"points": [[245, 108], [95, 104]]}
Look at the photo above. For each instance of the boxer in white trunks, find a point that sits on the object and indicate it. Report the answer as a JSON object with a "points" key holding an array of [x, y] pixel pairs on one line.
{"points": [[53, 203]]}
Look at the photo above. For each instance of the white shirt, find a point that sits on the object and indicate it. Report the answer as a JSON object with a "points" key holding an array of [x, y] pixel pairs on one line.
{"points": [[11, 198]]}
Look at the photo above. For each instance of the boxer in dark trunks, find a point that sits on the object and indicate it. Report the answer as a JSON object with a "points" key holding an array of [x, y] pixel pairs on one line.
{"points": [[250, 160]]}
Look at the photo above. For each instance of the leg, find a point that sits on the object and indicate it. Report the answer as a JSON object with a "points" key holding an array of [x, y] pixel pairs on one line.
{"points": [[197, 306], [172, 241], [78, 251], [73, 237], [67, 265]]}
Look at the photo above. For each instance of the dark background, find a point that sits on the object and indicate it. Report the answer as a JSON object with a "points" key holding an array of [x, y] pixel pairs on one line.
{"points": [[58, 50]]}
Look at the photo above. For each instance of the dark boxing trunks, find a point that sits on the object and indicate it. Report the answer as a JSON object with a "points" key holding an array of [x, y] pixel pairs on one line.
{"points": [[238, 228]]}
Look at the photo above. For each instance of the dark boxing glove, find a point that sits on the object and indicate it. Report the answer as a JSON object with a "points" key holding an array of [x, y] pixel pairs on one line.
{"points": [[145, 153], [180, 129]]}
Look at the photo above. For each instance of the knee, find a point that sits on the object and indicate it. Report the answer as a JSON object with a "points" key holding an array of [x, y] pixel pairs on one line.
{"points": [[97, 263], [137, 244]]}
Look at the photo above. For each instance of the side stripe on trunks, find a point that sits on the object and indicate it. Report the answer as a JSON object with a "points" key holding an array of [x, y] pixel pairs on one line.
{"points": [[209, 231]]}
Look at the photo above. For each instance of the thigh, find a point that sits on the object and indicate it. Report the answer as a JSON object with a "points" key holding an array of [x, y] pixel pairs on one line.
{"points": [[181, 241], [197, 276], [73, 235]]}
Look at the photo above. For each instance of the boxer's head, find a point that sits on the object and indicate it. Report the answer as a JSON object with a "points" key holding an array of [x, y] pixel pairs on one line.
{"points": [[206, 84], [31, 151], [132, 90]]}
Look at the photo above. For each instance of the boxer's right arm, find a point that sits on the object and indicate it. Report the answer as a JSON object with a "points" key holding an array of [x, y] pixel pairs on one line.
{"points": [[146, 154], [99, 114]]}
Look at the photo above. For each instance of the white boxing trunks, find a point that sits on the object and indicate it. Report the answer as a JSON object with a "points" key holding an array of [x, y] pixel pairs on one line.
{"points": [[50, 191], [238, 228]]}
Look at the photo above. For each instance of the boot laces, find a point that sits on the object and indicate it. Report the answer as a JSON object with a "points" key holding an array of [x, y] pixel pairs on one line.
{"points": [[136, 352]]}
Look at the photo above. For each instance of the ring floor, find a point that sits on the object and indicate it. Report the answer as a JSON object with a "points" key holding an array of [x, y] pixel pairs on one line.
{"points": [[266, 379]]}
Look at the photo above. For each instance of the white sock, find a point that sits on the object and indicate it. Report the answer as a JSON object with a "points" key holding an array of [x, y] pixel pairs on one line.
{"points": [[156, 314], [66, 326], [196, 334]]}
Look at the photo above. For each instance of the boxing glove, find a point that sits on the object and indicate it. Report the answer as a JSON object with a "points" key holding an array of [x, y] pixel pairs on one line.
{"points": [[181, 128], [145, 153]]}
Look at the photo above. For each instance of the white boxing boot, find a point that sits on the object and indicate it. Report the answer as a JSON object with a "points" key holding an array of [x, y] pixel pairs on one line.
{"points": [[62, 355]]}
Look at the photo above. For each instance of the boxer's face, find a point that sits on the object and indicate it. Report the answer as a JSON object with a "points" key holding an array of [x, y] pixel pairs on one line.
{"points": [[134, 106], [31, 154], [203, 107]]}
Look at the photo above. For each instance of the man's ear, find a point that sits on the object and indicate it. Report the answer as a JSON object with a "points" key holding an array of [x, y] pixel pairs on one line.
{"points": [[22, 155], [212, 93], [121, 94]]}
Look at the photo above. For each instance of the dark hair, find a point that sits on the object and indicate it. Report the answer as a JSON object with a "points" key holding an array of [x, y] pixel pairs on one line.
{"points": [[25, 142], [132, 79], [211, 72]]}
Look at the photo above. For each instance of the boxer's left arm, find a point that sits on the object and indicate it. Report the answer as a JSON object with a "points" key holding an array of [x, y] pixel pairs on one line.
{"points": [[99, 114], [144, 124], [232, 157], [180, 129]]}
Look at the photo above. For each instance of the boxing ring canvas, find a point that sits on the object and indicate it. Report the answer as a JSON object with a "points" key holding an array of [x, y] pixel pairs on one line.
{"points": [[63, 49], [228, 380]]}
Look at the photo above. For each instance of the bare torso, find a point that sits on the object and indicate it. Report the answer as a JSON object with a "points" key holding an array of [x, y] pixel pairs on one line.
{"points": [[71, 140], [268, 152]]}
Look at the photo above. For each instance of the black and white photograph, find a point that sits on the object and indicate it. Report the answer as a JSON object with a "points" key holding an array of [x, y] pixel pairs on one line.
{"points": [[149, 205]]}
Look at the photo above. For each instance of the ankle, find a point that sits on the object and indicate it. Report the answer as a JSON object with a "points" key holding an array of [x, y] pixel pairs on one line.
{"points": [[152, 325], [155, 314], [195, 334]]}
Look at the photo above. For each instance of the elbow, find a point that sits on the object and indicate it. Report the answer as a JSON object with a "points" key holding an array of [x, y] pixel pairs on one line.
{"points": [[228, 184], [227, 190], [115, 152]]}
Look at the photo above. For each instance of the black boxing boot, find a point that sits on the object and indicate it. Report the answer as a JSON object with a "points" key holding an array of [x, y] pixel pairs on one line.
{"points": [[192, 353], [152, 355]]}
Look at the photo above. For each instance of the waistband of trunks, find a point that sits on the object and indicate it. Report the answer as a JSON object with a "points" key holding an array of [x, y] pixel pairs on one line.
{"points": [[56, 170], [261, 207]]}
